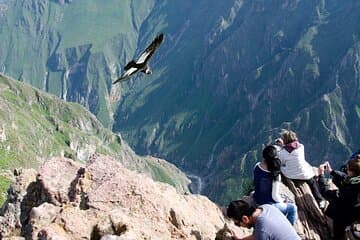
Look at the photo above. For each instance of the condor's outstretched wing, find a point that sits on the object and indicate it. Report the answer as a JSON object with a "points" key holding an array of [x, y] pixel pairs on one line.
{"points": [[130, 69], [149, 51], [133, 67]]}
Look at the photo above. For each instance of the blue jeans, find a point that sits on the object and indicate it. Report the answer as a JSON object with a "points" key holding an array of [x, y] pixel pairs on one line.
{"points": [[288, 209]]}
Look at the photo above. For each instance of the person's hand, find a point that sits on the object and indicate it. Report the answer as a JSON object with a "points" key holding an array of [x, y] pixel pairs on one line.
{"points": [[231, 234], [328, 167], [321, 169]]}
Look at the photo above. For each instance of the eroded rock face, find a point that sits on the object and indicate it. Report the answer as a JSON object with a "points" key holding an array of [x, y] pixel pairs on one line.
{"points": [[103, 200], [312, 223], [14, 211]]}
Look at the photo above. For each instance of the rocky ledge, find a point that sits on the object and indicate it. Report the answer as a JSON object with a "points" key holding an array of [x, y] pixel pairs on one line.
{"points": [[101, 199]]}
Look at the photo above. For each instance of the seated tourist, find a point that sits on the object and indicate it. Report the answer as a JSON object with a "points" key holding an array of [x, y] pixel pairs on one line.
{"points": [[267, 181], [295, 167]]}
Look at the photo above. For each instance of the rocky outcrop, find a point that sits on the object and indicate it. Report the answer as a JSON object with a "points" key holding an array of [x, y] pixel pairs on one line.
{"points": [[12, 213], [312, 223], [102, 200]]}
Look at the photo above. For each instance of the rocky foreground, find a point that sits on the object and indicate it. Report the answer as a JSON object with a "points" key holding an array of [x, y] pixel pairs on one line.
{"points": [[101, 199]]}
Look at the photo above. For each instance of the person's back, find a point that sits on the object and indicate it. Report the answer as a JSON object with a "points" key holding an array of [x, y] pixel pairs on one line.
{"points": [[263, 185], [294, 165], [271, 224]]}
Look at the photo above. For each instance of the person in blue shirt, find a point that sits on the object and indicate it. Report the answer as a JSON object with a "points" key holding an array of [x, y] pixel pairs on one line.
{"points": [[267, 181], [268, 222]]}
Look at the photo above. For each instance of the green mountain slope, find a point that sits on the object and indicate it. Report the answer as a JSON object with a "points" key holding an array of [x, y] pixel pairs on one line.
{"points": [[77, 46], [36, 126]]}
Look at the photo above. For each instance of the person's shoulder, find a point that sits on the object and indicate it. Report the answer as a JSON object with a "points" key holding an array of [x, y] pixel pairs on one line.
{"points": [[257, 164], [267, 207]]}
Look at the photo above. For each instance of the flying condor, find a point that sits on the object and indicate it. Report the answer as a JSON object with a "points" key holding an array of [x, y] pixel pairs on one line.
{"points": [[141, 65]]}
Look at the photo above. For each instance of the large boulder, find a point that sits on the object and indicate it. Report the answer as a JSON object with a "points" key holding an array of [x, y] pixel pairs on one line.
{"points": [[103, 200]]}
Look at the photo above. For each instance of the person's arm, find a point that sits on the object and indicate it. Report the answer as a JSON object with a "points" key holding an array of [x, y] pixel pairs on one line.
{"points": [[338, 177], [234, 237], [329, 194], [322, 183], [250, 237], [275, 191]]}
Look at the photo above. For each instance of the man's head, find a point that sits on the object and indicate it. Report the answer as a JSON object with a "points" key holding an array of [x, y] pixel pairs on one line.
{"points": [[241, 213], [353, 166]]}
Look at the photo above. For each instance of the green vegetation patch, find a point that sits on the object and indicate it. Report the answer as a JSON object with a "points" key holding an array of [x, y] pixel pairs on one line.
{"points": [[4, 186], [90, 22], [161, 175]]}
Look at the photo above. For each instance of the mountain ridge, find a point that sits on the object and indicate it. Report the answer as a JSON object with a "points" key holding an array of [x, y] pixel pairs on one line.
{"points": [[37, 125]]}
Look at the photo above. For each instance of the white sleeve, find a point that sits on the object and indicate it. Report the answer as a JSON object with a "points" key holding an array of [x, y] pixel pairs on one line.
{"points": [[275, 193]]}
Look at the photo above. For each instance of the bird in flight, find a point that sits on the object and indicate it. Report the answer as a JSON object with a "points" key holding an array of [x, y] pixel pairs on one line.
{"points": [[141, 65]]}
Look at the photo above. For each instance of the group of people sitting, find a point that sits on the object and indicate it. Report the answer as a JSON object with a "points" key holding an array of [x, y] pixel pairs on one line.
{"points": [[274, 215]]}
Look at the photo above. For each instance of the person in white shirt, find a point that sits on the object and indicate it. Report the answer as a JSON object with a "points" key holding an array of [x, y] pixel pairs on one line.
{"points": [[295, 167]]}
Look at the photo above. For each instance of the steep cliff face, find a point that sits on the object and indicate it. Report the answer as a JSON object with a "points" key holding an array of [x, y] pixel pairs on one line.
{"points": [[36, 125]]}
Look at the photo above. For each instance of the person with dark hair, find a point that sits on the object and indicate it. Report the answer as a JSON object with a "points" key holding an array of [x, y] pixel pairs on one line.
{"points": [[295, 167], [354, 154], [268, 222], [267, 181], [344, 202]]}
